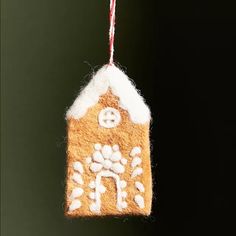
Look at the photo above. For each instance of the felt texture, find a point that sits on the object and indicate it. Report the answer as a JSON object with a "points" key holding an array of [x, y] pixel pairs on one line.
{"points": [[83, 134]]}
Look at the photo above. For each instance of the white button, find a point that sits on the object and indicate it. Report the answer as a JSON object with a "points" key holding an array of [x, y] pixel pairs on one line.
{"points": [[109, 117]]}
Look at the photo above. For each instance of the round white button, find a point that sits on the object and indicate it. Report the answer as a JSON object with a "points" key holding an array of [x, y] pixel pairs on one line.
{"points": [[109, 117]]}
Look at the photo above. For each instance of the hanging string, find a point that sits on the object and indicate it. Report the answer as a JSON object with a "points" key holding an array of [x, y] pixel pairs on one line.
{"points": [[112, 30]]}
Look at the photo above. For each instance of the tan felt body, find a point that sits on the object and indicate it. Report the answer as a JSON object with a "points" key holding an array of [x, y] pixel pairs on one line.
{"points": [[83, 134]]}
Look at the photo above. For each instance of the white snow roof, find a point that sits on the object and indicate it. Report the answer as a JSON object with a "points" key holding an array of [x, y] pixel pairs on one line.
{"points": [[120, 85]]}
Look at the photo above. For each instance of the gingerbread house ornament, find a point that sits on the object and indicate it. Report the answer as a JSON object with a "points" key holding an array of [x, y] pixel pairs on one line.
{"points": [[108, 151]]}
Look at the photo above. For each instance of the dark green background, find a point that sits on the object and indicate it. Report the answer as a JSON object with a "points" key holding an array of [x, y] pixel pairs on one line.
{"points": [[180, 54], [44, 48]]}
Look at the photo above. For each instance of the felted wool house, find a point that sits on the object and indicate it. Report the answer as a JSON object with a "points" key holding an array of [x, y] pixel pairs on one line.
{"points": [[108, 153]]}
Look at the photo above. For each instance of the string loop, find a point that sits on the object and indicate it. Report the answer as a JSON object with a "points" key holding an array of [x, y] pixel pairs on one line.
{"points": [[112, 29]]}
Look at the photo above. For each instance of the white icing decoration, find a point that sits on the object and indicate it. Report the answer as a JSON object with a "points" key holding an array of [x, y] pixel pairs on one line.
{"points": [[116, 156], [95, 167], [136, 161], [124, 194], [135, 151], [123, 183], [92, 195], [139, 186], [139, 201], [109, 117], [88, 160], [111, 77], [78, 167], [96, 206], [92, 184], [75, 205], [136, 172], [97, 156], [102, 188], [115, 147], [77, 178], [107, 164], [123, 161], [76, 192], [124, 204], [106, 151], [118, 168], [108, 159], [97, 146]]}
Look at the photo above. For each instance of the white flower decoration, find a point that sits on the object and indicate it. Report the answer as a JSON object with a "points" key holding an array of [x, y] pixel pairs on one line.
{"points": [[107, 158]]}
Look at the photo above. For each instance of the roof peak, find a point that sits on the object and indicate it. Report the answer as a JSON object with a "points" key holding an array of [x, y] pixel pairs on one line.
{"points": [[113, 78]]}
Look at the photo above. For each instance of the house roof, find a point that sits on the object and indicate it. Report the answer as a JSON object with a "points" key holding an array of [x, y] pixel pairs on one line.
{"points": [[120, 85]]}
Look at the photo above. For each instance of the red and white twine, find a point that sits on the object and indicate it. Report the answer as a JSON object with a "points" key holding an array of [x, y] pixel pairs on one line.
{"points": [[112, 30]]}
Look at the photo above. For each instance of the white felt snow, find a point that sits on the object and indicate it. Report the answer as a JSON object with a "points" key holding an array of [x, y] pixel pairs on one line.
{"points": [[120, 85]]}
